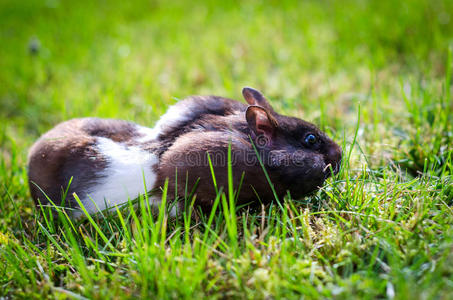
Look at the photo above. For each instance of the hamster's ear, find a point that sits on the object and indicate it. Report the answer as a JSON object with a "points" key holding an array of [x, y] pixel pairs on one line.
{"points": [[261, 121], [254, 97]]}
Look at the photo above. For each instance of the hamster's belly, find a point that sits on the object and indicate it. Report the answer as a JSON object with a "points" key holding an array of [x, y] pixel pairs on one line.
{"points": [[129, 172]]}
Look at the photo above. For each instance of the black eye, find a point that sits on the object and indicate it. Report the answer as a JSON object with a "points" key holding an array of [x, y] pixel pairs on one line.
{"points": [[311, 139]]}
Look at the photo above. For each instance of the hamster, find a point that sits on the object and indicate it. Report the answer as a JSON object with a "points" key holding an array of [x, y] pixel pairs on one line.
{"points": [[110, 161]]}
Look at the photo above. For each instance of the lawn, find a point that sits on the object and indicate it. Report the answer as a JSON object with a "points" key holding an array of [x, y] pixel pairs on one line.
{"points": [[374, 75]]}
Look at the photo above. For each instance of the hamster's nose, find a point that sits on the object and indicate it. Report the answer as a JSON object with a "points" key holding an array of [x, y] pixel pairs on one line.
{"points": [[333, 157]]}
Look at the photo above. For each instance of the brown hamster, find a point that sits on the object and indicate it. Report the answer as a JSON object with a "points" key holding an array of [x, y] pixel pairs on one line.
{"points": [[111, 161]]}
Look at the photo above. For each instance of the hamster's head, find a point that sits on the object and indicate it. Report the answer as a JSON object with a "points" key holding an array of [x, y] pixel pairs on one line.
{"points": [[298, 156]]}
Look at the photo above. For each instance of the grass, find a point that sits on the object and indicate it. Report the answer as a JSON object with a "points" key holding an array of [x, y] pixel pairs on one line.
{"points": [[375, 75]]}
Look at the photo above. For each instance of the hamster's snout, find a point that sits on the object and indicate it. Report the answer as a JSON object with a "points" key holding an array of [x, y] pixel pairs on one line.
{"points": [[333, 158]]}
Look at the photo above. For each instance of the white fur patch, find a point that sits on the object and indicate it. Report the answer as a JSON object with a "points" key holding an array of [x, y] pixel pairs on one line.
{"points": [[174, 115], [147, 134], [128, 169]]}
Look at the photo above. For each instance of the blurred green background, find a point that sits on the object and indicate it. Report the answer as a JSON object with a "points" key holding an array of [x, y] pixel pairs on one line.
{"points": [[378, 69], [128, 59]]}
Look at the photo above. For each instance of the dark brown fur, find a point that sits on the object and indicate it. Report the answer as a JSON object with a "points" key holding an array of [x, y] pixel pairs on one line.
{"points": [[210, 125], [212, 132], [68, 151]]}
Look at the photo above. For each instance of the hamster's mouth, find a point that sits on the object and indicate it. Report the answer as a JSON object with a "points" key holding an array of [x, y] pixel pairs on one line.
{"points": [[331, 168]]}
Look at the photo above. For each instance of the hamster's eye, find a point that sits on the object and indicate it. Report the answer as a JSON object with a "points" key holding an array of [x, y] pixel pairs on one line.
{"points": [[311, 139]]}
